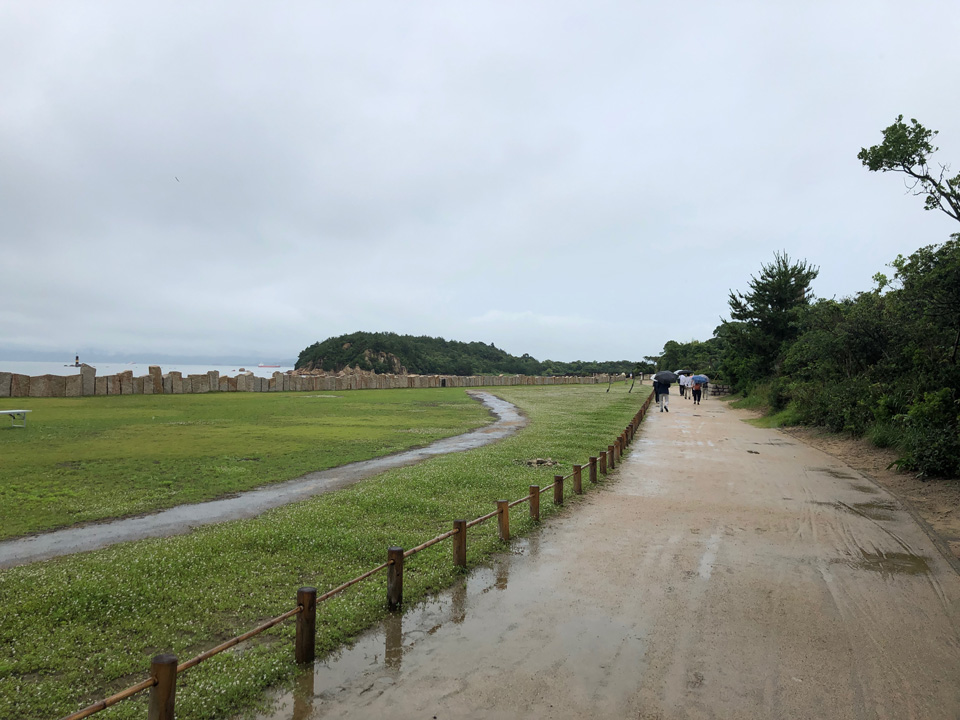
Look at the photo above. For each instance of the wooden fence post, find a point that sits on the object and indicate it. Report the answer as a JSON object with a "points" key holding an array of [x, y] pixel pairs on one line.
{"points": [[535, 502], [394, 577], [558, 489], [306, 639], [577, 481], [163, 694], [503, 519], [460, 543], [593, 469], [611, 458], [603, 462]]}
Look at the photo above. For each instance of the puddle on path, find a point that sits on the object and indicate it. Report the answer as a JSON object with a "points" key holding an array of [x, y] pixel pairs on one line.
{"points": [[832, 472], [182, 519], [890, 563], [376, 659], [876, 510]]}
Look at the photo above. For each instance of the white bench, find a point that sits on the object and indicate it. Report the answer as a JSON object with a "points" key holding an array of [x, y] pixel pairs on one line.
{"points": [[16, 415]]}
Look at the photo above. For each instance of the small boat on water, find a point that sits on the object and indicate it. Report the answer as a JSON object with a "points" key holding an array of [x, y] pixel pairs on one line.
{"points": [[262, 365]]}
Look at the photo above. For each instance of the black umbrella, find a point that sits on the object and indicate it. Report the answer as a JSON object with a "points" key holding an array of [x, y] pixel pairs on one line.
{"points": [[665, 376], [683, 372]]}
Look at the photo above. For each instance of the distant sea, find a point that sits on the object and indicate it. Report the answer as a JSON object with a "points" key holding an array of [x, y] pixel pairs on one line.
{"points": [[32, 368]]}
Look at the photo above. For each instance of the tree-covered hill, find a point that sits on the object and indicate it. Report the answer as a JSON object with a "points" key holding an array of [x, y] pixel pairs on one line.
{"points": [[392, 353]]}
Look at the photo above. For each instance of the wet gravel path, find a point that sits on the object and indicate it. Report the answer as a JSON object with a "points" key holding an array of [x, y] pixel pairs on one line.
{"points": [[182, 519]]}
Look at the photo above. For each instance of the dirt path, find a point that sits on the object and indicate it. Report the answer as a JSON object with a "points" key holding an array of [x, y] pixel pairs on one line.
{"points": [[724, 571], [183, 518]]}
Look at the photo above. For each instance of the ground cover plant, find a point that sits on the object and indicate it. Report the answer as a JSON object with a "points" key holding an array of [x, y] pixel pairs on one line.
{"points": [[94, 458], [77, 628]]}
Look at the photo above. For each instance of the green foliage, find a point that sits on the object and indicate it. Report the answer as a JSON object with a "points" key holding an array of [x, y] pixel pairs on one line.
{"points": [[701, 357], [783, 418], [931, 443], [777, 394], [929, 291], [75, 629], [885, 434], [392, 353], [846, 406], [766, 319], [907, 149]]}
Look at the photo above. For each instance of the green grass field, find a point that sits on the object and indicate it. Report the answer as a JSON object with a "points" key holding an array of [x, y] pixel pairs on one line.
{"points": [[94, 458], [78, 628]]}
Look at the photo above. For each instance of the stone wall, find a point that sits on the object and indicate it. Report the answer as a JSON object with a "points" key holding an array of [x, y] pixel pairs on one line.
{"points": [[173, 383]]}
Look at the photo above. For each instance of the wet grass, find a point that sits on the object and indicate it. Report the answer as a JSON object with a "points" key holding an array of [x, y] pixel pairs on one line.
{"points": [[783, 418], [94, 458], [75, 629]]}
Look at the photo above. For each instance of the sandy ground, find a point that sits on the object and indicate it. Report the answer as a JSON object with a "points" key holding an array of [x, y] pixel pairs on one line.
{"points": [[722, 571]]}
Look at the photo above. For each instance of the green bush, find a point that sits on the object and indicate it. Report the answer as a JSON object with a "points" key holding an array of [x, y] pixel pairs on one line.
{"points": [[778, 394], [838, 406], [931, 442], [886, 434]]}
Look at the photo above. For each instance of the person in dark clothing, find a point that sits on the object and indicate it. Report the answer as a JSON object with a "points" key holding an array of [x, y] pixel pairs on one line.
{"points": [[656, 391], [664, 396]]}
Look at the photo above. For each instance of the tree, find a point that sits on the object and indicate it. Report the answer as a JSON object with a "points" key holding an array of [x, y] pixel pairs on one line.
{"points": [[930, 283], [766, 319], [907, 149]]}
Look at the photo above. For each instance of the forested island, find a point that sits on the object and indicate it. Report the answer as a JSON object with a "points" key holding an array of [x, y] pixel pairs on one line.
{"points": [[387, 352]]}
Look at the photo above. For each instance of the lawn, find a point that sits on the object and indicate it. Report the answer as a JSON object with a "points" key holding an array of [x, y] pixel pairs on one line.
{"points": [[78, 628], [94, 458]]}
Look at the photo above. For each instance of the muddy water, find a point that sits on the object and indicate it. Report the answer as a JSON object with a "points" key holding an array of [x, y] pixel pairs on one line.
{"points": [[381, 656], [182, 519]]}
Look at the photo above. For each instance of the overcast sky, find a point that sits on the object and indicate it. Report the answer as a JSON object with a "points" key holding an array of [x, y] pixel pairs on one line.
{"points": [[574, 180]]}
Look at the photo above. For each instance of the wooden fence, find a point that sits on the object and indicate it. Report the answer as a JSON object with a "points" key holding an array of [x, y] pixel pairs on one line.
{"points": [[164, 668]]}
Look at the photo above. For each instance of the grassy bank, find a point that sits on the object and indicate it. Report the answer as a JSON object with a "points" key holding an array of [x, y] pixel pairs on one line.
{"points": [[77, 628], [93, 458], [758, 402]]}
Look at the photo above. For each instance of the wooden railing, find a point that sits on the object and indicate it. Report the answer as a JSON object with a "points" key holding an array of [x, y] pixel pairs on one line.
{"points": [[164, 669]]}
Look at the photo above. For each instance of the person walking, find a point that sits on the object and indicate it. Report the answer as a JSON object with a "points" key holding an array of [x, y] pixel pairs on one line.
{"points": [[664, 397], [656, 391], [697, 393]]}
